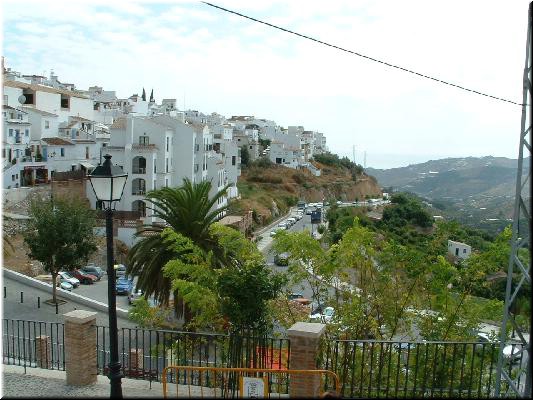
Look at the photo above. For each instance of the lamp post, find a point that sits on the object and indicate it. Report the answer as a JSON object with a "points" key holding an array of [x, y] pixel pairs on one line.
{"points": [[108, 183]]}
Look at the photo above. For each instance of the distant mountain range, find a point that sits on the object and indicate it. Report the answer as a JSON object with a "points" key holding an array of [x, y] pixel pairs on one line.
{"points": [[478, 189]]}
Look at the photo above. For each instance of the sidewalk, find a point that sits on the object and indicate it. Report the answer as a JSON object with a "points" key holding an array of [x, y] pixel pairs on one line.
{"points": [[38, 382]]}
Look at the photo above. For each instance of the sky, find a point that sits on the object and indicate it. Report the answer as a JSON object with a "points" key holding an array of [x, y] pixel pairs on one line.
{"points": [[214, 61]]}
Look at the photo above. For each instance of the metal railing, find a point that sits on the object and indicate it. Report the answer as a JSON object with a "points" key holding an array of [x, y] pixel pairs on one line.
{"points": [[370, 368], [144, 353], [20, 344]]}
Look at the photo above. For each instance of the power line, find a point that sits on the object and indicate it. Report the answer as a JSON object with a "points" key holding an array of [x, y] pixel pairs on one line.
{"points": [[364, 56]]}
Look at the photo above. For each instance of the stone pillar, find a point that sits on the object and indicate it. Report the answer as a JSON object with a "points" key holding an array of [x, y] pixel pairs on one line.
{"points": [[304, 339], [42, 352], [80, 347], [136, 359]]}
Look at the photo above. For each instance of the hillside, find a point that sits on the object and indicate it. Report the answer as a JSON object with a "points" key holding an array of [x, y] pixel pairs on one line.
{"points": [[271, 189], [476, 191]]}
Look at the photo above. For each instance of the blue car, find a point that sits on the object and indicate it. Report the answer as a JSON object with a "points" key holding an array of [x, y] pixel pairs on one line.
{"points": [[124, 285]]}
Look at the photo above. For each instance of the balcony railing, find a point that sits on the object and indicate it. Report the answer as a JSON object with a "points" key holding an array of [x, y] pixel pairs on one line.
{"points": [[138, 192], [139, 170]]}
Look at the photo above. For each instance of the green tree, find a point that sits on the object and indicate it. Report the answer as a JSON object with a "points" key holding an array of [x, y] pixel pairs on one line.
{"points": [[187, 210], [60, 235], [245, 156]]}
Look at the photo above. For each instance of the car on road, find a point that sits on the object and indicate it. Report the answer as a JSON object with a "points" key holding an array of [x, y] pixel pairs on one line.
{"points": [[339, 202], [299, 298], [66, 277], [292, 220], [324, 317], [66, 286], [309, 211], [134, 295], [93, 270], [281, 259], [84, 278], [275, 230], [120, 270], [124, 285]]}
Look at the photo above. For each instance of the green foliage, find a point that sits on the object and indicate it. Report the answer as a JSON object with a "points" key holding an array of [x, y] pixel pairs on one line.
{"points": [[334, 161], [245, 292], [60, 235], [245, 156], [146, 316], [262, 162], [264, 143], [405, 210], [187, 209]]}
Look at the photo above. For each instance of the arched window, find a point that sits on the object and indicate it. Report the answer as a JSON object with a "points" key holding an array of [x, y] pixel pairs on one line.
{"points": [[139, 206], [138, 165], [138, 187]]}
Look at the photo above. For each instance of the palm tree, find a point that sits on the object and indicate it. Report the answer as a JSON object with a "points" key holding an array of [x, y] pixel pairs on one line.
{"points": [[187, 210]]}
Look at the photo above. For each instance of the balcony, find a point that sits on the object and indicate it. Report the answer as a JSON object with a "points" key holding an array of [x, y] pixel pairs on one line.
{"points": [[138, 192]]}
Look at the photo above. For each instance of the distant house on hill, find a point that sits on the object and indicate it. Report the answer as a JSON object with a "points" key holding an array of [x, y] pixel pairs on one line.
{"points": [[459, 249]]}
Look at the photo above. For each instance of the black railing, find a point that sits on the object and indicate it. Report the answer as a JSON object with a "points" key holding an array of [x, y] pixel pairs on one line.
{"points": [[369, 368], [33, 344], [161, 348]]}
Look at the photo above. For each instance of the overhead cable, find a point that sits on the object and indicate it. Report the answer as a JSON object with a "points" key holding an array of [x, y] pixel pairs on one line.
{"points": [[367, 57]]}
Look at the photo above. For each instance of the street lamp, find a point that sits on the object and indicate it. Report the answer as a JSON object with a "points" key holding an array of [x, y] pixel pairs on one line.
{"points": [[108, 183]]}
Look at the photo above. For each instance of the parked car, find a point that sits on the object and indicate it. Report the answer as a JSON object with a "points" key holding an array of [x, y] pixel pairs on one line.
{"points": [[292, 220], [93, 270], [281, 259], [84, 278], [120, 270], [299, 298], [66, 286], [66, 277], [276, 230], [323, 317], [134, 295], [124, 285]]}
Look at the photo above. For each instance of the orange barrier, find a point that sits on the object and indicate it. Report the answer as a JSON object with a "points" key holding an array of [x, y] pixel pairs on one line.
{"points": [[212, 382]]}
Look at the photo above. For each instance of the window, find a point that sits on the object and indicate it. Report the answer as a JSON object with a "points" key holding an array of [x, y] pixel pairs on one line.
{"points": [[168, 141], [46, 124], [12, 177], [10, 132], [456, 251], [62, 152], [196, 167], [233, 160], [27, 132], [155, 168], [250, 147], [464, 251], [144, 140], [65, 101], [166, 164], [166, 182]]}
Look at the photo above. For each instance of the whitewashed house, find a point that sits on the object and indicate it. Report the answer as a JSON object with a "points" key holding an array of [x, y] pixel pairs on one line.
{"points": [[458, 249]]}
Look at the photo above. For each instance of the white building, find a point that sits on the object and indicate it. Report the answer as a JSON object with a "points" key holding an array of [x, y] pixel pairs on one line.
{"points": [[459, 249]]}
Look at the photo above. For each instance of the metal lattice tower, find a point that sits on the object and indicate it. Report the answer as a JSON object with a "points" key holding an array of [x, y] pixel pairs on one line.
{"points": [[515, 380]]}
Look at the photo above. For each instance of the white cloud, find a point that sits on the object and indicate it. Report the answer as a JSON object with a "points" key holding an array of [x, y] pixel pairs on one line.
{"points": [[232, 65]]}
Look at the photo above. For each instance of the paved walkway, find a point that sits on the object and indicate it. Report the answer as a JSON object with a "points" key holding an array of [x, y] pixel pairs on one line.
{"points": [[38, 382]]}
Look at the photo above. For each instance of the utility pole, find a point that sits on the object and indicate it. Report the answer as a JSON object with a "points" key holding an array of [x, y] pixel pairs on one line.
{"points": [[515, 380], [353, 149]]}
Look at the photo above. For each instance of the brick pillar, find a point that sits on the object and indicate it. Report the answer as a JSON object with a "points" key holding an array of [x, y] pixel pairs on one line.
{"points": [[42, 352], [136, 359], [80, 347], [305, 339]]}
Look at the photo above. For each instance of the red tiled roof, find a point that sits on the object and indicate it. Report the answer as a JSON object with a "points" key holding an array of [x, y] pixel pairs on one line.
{"points": [[55, 141]]}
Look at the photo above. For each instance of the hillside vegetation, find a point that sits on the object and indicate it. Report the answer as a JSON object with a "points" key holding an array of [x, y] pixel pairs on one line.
{"points": [[269, 189]]}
